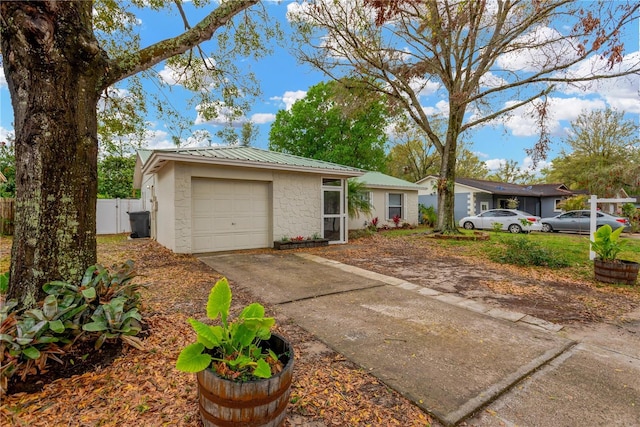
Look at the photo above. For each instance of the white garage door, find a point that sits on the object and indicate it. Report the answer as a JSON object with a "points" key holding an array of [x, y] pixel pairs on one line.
{"points": [[229, 215]]}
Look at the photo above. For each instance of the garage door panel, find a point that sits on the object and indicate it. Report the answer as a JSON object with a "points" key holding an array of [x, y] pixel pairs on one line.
{"points": [[203, 225], [230, 215]]}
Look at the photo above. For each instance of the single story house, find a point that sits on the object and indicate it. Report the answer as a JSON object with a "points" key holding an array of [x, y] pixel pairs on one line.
{"points": [[616, 208], [388, 196], [473, 196], [220, 198]]}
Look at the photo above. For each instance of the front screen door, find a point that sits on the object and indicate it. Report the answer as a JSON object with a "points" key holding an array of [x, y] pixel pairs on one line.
{"points": [[333, 209]]}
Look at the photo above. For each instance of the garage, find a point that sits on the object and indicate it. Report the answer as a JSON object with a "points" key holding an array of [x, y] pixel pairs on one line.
{"points": [[219, 198], [230, 214]]}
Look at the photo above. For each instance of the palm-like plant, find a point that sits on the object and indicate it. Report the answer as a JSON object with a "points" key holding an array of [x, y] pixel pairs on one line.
{"points": [[357, 200]]}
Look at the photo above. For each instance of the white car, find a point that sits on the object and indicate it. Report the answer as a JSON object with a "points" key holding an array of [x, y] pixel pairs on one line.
{"points": [[512, 220]]}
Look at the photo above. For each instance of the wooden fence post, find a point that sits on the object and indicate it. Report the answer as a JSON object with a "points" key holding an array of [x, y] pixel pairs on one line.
{"points": [[7, 211]]}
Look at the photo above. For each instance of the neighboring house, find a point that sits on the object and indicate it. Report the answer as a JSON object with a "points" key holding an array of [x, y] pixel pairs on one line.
{"points": [[388, 196], [473, 196], [616, 208], [210, 199]]}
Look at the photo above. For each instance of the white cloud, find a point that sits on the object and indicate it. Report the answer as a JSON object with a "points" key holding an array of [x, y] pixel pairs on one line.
{"points": [[158, 139], [522, 121], [526, 165], [490, 80], [543, 48], [294, 10], [176, 76], [262, 118], [621, 93], [4, 134], [219, 114], [424, 87], [113, 93], [155, 139], [494, 164], [168, 75], [289, 98], [441, 108], [3, 79]]}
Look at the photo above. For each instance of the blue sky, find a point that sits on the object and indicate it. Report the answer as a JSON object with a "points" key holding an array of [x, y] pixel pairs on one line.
{"points": [[283, 81]]}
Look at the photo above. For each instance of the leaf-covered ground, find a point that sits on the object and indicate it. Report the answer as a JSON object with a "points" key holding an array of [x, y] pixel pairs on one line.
{"points": [[554, 295], [143, 388]]}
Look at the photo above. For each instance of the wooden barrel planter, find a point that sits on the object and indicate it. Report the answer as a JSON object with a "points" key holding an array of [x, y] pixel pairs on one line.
{"points": [[620, 271], [225, 403]]}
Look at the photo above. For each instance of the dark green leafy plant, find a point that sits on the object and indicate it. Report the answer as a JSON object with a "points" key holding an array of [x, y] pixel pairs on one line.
{"points": [[4, 283], [111, 321], [232, 348], [28, 341], [98, 286], [574, 203], [633, 214], [358, 199], [103, 306], [428, 215]]}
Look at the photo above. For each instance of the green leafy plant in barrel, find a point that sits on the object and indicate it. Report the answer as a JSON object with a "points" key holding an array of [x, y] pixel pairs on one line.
{"points": [[607, 267], [232, 348], [606, 243]]}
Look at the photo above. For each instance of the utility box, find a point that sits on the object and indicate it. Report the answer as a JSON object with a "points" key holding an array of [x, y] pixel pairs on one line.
{"points": [[140, 224]]}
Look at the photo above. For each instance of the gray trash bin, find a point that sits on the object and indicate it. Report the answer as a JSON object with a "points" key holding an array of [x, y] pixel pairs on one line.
{"points": [[140, 224]]}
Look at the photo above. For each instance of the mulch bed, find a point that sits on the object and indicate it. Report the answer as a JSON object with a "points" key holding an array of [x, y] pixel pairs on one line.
{"points": [[123, 386]]}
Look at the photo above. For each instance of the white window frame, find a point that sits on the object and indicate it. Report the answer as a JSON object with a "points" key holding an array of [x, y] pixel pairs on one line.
{"points": [[555, 205], [484, 206], [403, 204], [368, 197]]}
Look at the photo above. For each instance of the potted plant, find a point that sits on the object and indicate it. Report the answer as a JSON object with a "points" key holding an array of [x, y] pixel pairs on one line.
{"points": [[244, 371], [607, 268]]}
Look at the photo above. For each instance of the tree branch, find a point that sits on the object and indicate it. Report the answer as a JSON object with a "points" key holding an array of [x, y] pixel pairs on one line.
{"points": [[129, 64]]}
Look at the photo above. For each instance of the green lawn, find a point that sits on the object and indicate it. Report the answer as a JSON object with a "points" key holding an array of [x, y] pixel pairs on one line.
{"points": [[572, 248], [575, 247]]}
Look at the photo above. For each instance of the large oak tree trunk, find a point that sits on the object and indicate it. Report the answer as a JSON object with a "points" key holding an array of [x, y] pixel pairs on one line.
{"points": [[55, 71], [446, 192], [447, 179], [53, 68]]}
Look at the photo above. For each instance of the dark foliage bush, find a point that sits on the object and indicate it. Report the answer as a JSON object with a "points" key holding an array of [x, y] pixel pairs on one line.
{"points": [[104, 306], [522, 251]]}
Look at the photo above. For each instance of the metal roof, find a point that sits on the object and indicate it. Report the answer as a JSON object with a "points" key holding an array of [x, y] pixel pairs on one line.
{"points": [[378, 179], [503, 188], [241, 156]]}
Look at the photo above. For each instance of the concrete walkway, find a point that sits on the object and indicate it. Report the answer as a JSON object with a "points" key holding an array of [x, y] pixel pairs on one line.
{"points": [[459, 360]]}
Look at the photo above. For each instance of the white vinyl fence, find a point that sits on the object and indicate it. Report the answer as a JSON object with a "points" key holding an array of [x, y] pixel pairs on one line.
{"points": [[112, 215]]}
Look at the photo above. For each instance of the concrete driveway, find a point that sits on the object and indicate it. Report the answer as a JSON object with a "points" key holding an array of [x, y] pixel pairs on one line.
{"points": [[459, 360]]}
